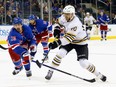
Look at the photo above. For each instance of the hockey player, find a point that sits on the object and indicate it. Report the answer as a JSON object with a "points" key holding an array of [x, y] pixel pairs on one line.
{"points": [[42, 31], [88, 22], [103, 20], [74, 38], [20, 40]]}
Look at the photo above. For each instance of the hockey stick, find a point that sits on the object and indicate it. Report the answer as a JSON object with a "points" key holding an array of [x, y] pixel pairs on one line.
{"points": [[45, 57], [4, 48], [39, 65]]}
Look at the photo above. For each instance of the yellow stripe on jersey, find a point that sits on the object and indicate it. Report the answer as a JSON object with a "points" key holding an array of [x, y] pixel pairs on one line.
{"points": [[69, 37]]}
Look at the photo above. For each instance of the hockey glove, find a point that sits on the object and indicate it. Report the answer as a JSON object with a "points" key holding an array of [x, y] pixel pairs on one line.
{"points": [[33, 48], [54, 44], [57, 32]]}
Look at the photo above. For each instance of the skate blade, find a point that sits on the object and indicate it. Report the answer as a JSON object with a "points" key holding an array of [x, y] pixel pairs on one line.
{"points": [[29, 78]]}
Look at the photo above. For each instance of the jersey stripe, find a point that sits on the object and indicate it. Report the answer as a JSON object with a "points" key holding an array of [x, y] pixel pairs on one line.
{"points": [[69, 37]]}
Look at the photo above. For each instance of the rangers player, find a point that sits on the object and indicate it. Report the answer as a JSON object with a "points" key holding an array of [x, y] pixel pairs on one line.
{"points": [[20, 41]]}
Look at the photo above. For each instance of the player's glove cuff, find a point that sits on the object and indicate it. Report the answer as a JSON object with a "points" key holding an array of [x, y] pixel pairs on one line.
{"points": [[54, 44]]}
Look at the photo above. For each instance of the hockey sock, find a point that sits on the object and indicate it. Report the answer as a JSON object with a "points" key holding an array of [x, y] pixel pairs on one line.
{"points": [[87, 65]]}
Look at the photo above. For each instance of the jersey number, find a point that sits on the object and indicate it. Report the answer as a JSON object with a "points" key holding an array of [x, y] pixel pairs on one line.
{"points": [[74, 28]]}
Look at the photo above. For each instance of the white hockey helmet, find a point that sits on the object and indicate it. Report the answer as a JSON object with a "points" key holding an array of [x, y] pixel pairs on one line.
{"points": [[69, 9], [88, 13]]}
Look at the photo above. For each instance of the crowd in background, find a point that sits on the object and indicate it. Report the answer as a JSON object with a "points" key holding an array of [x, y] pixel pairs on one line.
{"points": [[17, 8]]}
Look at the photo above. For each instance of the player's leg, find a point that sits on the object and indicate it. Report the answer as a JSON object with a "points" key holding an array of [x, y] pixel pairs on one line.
{"points": [[101, 31], [44, 42], [57, 59], [82, 53], [105, 34], [102, 36], [26, 63], [23, 53], [16, 61], [89, 31]]}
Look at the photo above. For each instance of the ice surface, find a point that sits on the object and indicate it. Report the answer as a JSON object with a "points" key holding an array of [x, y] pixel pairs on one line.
{"points": [[102, 55]]}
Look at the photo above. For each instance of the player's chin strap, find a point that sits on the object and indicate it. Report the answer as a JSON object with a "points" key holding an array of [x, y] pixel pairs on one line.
{"points": [[2, 47]]}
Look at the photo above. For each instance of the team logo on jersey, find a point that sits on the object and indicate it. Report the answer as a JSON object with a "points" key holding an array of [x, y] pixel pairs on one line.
{"points": [[13, 38]]}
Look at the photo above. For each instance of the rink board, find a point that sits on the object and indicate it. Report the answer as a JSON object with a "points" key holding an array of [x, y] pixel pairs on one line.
{"points": [[95, 33]]}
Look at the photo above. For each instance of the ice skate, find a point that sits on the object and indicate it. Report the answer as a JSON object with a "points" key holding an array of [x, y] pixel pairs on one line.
{"points": [[105, 39], [28, 73], [49, 75], [102, 77], [101, 39], [17, 70]]}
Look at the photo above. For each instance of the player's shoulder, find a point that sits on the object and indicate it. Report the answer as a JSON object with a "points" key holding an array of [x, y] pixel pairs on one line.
{"points": [[25, 26], [99, 15], [76, 23], [91, 16], [76, 20], [13, 32], [85, 17], [61, 19], [41, 22]]}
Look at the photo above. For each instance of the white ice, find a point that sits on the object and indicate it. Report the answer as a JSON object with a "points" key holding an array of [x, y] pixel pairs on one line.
{"points": [[101, 53]]}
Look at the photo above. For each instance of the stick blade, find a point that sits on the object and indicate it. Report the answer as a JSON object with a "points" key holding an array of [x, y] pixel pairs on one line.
{"points": [[4, 48], [91, 80], [38, 63]]}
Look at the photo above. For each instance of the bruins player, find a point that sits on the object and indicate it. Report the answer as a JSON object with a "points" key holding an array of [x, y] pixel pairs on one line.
{"points": [[74, 38]]}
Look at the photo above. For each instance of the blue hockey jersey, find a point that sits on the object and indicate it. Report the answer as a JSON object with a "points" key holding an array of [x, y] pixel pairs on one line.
{"points": [[40, 26], [103, 19], [15, 37]]}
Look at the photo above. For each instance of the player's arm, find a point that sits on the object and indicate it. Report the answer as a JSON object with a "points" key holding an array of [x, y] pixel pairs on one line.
{"points": [[58, 28], [94, 20], [15, 40], [67, 38], [49, 27], [70, 36], [107, 19], [31, 39], [29, 35], [57, 31]]}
